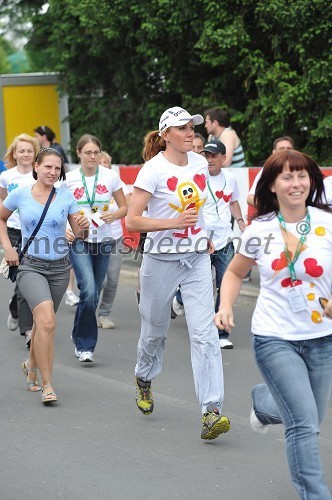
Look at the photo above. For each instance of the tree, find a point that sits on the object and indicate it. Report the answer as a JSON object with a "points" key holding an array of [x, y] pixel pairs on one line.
{"points": [[4, 65], [122, 63]]}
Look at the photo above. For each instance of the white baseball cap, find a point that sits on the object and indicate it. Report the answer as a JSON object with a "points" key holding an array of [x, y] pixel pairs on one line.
{"points": [[175, 117]]}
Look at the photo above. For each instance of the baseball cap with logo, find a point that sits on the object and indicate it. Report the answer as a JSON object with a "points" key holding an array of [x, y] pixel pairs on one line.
{"points": [[214, 147], [175, 117]]}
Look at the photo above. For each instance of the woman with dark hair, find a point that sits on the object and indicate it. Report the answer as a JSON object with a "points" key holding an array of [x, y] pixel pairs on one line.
{"points": [[46, 138], [291, 241], [93, 186], [43, 273], [172, 184]]}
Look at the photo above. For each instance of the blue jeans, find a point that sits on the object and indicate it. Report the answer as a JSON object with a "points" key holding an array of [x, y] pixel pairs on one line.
{"points": [[90, 262], [220, 259], [112, 280], [298, 375]]}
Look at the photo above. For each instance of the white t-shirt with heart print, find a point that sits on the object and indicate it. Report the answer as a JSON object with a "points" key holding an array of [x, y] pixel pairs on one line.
{"points": [[175, 189], [12, 179], [223, 190], [273, 315]]}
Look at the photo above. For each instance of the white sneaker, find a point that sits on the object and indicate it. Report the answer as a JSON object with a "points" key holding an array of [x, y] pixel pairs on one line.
{"points": [[178, 308], [86, 357], [28, 338], [71, 298], [77, 353], [255, 424], [225, 344], [105, 322], [12, 323], [246, 279]]}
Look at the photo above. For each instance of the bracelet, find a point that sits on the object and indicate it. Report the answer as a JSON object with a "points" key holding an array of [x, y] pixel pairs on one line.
{"points": [[237, 220]]}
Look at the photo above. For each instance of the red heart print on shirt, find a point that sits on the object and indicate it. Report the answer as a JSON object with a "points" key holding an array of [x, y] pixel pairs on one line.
{"points": [[199, 179], [312, 268], [101, 189], [171, 183], [226, 197], [280, 263], [78, 193], [288, 281]]}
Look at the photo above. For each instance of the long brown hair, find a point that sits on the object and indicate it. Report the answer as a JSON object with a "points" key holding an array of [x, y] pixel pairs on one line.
{"points": [[153, 144], [266, 201]]}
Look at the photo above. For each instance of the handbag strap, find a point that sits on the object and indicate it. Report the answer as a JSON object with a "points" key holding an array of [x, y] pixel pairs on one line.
{"points": [[35, 231]]}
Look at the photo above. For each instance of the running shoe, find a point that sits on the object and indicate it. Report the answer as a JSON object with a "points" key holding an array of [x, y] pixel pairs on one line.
{"points": [[86, 357], [77, 353], [256, 425], [105, 322], [144, 398], [12, 323], [225, 344], [71, 298], [177, 307], [214, 424], [27, 336]]}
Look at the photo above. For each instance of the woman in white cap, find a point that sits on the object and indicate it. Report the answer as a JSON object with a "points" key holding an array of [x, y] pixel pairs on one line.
{"points": [[172, 184]]}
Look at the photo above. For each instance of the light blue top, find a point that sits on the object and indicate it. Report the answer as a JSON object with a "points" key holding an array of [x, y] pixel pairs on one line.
{"points": [[50, 242]]}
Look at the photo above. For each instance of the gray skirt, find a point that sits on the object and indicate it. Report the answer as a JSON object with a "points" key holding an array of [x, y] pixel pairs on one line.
{"points": [[40, 280]]}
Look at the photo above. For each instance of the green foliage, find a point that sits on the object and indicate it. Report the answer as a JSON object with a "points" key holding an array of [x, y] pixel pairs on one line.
{"points": [[122, 63]]}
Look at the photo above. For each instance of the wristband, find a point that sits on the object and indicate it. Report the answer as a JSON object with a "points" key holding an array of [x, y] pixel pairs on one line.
{"points": [[237, 220]]}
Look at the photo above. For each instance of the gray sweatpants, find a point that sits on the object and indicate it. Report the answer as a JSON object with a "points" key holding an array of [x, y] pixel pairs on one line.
{"points": [[159, 280]]}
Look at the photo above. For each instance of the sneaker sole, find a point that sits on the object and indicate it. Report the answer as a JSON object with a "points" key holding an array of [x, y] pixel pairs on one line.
{"points": [[220, 427], [86, 360], [147, 411], [257, 428]]}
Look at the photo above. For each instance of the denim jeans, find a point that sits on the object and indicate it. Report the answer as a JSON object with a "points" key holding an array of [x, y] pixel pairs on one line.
{"points": [[298, 375], [112, 280], [90, 262], [220, 260]]}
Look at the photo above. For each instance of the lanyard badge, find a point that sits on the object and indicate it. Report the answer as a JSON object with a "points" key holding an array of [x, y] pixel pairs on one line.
{"points": [[92, 199], [296, 296]]}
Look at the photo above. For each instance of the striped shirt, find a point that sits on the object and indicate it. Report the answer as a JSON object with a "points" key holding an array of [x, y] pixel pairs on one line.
{"points": [[238, 159]]}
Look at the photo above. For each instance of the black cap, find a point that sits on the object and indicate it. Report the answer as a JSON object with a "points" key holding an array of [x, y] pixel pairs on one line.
{"points": [[214, 147]]}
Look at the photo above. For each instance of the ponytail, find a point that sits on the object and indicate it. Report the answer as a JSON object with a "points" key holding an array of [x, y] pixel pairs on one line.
{"points": [[153, 144]]}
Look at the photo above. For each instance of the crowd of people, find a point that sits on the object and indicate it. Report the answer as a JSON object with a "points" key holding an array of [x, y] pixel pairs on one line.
{"points": [[185, 201]]}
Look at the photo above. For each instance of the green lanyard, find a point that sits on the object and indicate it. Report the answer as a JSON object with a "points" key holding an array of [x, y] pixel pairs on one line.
{"points": [[213, 197], [90, 200], [291, 261]]}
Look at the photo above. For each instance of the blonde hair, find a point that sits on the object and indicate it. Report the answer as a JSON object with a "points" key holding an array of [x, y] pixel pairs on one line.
{"points": [[152, 145], [9, 155], [107, 156]]}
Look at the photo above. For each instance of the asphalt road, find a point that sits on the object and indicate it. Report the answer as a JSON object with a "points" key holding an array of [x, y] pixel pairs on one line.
{"points": [[95, 444]]}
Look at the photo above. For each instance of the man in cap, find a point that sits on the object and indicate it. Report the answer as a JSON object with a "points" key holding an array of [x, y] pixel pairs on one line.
{"points": [[221, 204]]}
